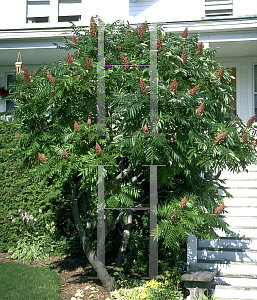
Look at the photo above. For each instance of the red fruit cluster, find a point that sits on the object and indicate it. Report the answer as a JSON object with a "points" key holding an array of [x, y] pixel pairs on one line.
{"points": [[144, 26], [251, 120], [125, 61], [42, 158], [26, 75], [159, 43], [98, 148], [254, 143], [244, 137], [220, 74], [74, 41], [65, 154], [183, 202], [142, 85], [69, 59], [174, 85], [50, 78], [76, 126], [185, 33], [17, 134], [89, 63], [89, 121], [184, 56], [92, 27], [174, 218], [200, 110], [200, 49], [219, 209], [221, 137], [140, 32], [173, 138], [145, 129], [194, 90]]}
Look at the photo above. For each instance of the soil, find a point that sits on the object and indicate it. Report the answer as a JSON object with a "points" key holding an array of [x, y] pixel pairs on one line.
{"points": [[74, 273]]}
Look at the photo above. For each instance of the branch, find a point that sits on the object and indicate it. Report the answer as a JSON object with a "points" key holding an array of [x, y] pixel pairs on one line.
{"points": [[87, 212], [109, 228], [79, 181]]}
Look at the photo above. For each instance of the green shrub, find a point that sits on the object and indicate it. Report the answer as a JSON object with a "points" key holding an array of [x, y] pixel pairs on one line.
{"points": [[33, 247], [26, 208]]}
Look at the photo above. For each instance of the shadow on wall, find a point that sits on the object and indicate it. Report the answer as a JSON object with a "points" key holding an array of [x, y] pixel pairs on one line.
{"points": [[136, 7]]}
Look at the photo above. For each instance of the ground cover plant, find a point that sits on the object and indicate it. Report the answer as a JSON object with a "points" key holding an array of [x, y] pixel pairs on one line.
{"points": [[57, 134], [19, 281]]}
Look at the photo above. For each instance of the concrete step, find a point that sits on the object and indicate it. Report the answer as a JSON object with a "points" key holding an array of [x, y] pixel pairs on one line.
{"points": [[249, 168], [218, 298], [246, 281], [229, 243], [229, 267], [241, 183], [235, 220], [234, 292], [251, 175], [240, 201], [246, 255], [242, 192], [249, 211], [239, 231], [235, 257]]}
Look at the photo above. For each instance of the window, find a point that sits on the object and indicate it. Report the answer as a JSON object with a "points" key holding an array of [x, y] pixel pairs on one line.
{"points": [[69, 18], [233, 83], [69, 10], [69, 1], [218, 8], [38, 11], [38, 20], [9, 104], [255, 90]]}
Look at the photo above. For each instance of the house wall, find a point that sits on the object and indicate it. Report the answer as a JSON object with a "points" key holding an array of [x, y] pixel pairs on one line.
{"points": [[246, 7], [14, 13], [165, 10], [244, 82]]}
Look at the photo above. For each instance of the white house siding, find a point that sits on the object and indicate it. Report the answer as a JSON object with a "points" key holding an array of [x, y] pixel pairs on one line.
{"points": [[245, 84], [245, 7], [165, 10], [13, 13]]}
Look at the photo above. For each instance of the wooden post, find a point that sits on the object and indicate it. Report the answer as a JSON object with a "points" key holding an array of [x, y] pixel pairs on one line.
{"points": [[191, 251]]}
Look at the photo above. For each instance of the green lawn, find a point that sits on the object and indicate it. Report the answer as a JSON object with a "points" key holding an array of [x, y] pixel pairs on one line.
{"points": [[21, 282]]}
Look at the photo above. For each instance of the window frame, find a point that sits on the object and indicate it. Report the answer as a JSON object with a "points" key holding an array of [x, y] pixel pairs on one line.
{"points": [[254, 89]]}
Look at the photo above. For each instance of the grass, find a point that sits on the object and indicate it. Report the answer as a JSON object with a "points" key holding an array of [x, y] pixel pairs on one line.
{"points": [[18, 281]]}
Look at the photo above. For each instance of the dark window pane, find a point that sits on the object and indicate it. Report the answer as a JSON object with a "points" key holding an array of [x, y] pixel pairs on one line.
{"points": [[9, 105]]}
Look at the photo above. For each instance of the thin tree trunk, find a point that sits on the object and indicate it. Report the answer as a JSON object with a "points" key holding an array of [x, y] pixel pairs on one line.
{"points": [[107, 281], [87, 212], [125, 239]]}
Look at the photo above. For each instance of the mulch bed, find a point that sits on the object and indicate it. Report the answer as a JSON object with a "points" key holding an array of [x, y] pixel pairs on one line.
{"points": [[74, 273]]}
